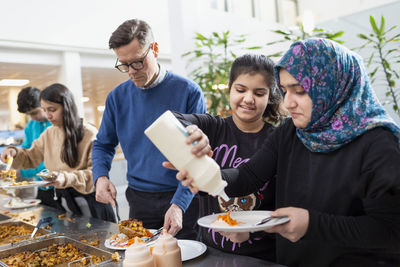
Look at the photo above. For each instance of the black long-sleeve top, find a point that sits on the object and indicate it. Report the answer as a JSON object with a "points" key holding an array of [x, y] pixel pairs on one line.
{"points": [[352, 195], [231, 148]]}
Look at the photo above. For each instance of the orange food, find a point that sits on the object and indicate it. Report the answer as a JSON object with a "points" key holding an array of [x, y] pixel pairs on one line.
{"points": [[132, 241], [133, 228], [53, 255], [228, 219], [115, 257]]}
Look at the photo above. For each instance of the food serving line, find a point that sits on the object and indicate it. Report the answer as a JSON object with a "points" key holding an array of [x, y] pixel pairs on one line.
{"points": [[95, 231]]}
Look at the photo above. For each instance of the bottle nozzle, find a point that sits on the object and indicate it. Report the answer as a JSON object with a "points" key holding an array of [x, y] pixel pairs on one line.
{"points": [[224, 196], [221, 192]]}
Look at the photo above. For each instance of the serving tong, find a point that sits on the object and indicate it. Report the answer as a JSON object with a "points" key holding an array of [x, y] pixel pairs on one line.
{"points": [[155, 236], [9, 162], [116, 211], [269, 218], [45, 173], [41, 221]]}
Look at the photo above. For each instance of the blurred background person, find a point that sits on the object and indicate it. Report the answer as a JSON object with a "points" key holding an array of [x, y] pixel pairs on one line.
{"points": [[29, 103], [66, 149]]}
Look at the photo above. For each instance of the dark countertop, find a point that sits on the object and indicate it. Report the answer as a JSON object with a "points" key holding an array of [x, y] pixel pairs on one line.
{"points": [[76, 228]]}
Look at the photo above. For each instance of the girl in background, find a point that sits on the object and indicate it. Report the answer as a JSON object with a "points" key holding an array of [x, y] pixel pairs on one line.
{"points": [[65, 149]]}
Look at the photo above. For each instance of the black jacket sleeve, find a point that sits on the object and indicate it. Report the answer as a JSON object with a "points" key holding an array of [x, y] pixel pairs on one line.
{"points": [[379, 226]]}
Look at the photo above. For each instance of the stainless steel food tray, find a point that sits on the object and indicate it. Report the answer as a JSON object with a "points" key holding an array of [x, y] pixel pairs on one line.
{"points": [[4, 217], [40, 245], [45, 234]]}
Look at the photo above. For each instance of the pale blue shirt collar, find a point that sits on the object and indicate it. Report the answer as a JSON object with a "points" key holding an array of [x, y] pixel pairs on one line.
{"points": [[160, 77]]}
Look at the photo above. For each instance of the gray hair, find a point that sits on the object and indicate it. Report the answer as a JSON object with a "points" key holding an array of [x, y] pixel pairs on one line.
{"points": [[130, 30]]}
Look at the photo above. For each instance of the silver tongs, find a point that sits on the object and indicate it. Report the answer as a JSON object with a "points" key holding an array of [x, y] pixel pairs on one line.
{"points": [[155, 236], [9, 162], [116, 212], [46, 174]]}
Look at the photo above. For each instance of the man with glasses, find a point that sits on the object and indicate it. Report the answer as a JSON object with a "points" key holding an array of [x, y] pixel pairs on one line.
{"points": [[28, 102], [153, 193]]}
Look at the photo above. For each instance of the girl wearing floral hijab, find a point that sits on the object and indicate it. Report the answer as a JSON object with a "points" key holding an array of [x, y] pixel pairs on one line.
{"points": [[336, 161]]}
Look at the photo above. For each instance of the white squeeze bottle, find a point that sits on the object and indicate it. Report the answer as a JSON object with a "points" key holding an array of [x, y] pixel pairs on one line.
{"points": [[138, 255], [169, 136], [166, 252]]}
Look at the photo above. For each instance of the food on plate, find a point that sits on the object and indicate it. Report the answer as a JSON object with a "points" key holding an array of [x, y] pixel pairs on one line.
{"points": [[225, 220], [16, 202], [12, 174], [119, 240], [53, 255], [122, 240], [21, 183], [133, 228]]}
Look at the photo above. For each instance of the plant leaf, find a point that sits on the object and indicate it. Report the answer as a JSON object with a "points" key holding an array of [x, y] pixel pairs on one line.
{"points": [[382, 26], [373, 24]]}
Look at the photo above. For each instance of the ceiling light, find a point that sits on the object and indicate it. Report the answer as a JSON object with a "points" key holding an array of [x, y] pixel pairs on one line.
{"points": [[85, 99], [13, 82]]}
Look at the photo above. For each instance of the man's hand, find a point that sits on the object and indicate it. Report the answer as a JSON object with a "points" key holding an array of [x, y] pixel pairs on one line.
{"points": [[105, 191], [296, 228], [173, 219], [186, 180]]}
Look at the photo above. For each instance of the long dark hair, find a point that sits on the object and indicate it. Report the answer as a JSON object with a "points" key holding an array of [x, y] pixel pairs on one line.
{"points": [[72, 124], [257, 63]]}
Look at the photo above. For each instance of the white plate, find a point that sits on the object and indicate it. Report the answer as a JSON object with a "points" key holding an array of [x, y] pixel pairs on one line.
{"points": [[248, 218], [191, 249], [108, 245], [26, 203], [31, 184]]}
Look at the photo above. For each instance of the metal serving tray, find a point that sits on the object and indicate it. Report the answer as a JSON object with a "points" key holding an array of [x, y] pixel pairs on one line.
{"points": [[4, 217], [26, 238], [41, 245]]}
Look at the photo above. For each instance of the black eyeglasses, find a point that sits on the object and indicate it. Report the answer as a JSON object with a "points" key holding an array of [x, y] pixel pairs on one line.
{"points": [[136, 65]]}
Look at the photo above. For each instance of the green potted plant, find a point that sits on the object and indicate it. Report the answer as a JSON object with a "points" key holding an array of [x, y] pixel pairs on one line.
{"points": [[211, 61], [385, 58], [298, 33]]}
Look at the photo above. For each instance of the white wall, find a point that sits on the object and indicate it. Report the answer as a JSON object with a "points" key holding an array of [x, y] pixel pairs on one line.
{"points": [[328, 10], [359, 23], [199, 17], [79, 23]]}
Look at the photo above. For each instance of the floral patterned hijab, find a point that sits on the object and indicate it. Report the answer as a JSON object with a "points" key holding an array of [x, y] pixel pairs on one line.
{"points": [[344, 104]]}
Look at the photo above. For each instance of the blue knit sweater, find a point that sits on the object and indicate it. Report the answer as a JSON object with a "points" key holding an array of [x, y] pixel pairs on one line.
{"points": [[32, 131], [129, 111]]}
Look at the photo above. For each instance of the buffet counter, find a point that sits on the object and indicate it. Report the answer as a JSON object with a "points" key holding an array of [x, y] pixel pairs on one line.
{"points": [[89, 230]]}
